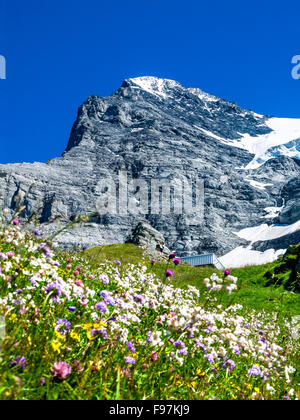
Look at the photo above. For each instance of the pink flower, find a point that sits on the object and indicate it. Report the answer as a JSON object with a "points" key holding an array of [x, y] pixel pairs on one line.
{"points": [[91, 277], [8, 278], [169, 273], [176, 261], [10, 254], [78, 283], [69, 266], [76, 273], [16, 222], [61, 370], [154, 356], [227, 272]]}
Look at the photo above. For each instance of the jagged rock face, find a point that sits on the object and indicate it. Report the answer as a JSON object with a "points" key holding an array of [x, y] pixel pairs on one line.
{"points": [[146, 237], [155, 129], [291, 193]]}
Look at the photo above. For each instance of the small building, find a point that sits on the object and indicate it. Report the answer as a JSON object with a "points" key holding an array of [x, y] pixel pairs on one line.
{"points": [[205, 259]]}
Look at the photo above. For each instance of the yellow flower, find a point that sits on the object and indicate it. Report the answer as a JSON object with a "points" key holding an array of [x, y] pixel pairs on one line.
{"points": [[13, 317], [58, 334], [257, 390], [87, 326], [75, 336], [56, 346], [90, 337], [199, 373], [100, 325]]}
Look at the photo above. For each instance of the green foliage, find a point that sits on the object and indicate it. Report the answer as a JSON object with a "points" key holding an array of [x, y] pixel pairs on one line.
{"points": [[286, 271]]}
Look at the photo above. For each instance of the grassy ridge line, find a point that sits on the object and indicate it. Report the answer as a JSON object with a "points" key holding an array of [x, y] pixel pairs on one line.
{"points": [[253, 293]]}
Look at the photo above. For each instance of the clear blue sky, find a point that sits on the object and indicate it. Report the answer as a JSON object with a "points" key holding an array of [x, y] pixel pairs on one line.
{"points": [[60, 52]]}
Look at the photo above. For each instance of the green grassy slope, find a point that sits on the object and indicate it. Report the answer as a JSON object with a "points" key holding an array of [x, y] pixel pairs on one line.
{"points": [[254, 289], [286, 271]]}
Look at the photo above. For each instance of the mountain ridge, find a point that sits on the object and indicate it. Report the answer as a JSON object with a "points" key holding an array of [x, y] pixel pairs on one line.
{"points": [[157, 129]]}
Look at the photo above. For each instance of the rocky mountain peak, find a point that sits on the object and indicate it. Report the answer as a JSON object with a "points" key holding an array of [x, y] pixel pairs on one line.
{"points": [[161, 88], [157, 130]]}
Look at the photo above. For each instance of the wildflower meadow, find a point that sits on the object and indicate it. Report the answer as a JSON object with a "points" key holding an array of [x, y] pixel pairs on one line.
{"points": [[118, 331]]}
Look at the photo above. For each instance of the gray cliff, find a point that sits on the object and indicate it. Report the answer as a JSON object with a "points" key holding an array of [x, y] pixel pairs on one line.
{"points": [[157, 129]]}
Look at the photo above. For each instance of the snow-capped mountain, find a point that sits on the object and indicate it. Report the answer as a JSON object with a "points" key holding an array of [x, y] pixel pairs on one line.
{"points": [[156, 129]]}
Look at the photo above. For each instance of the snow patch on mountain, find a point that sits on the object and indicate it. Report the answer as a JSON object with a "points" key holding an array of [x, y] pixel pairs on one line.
{"points": [[242, 257], [258, 185], [273, 212], [206, 97], [154, 85], [266, 232], [285, 133]]}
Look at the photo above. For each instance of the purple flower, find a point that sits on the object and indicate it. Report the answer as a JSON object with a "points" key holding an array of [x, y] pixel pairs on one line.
{"points": [[130, 346], [19, 305], [97, 333], [255, 371], [20, 362], [33, 282], [237, 351], [130, 360], [37, 232], [229, 364], [19, 291], [169, 273], [63, 326], [210, 358], [118, 262], [55, 289], [101, 307], [140, 299], [180, 344], [191, 332], [199, 344], [149, 335], [210, 329], [109, 300], [72, 308], [61, 370], [46, 249]]}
